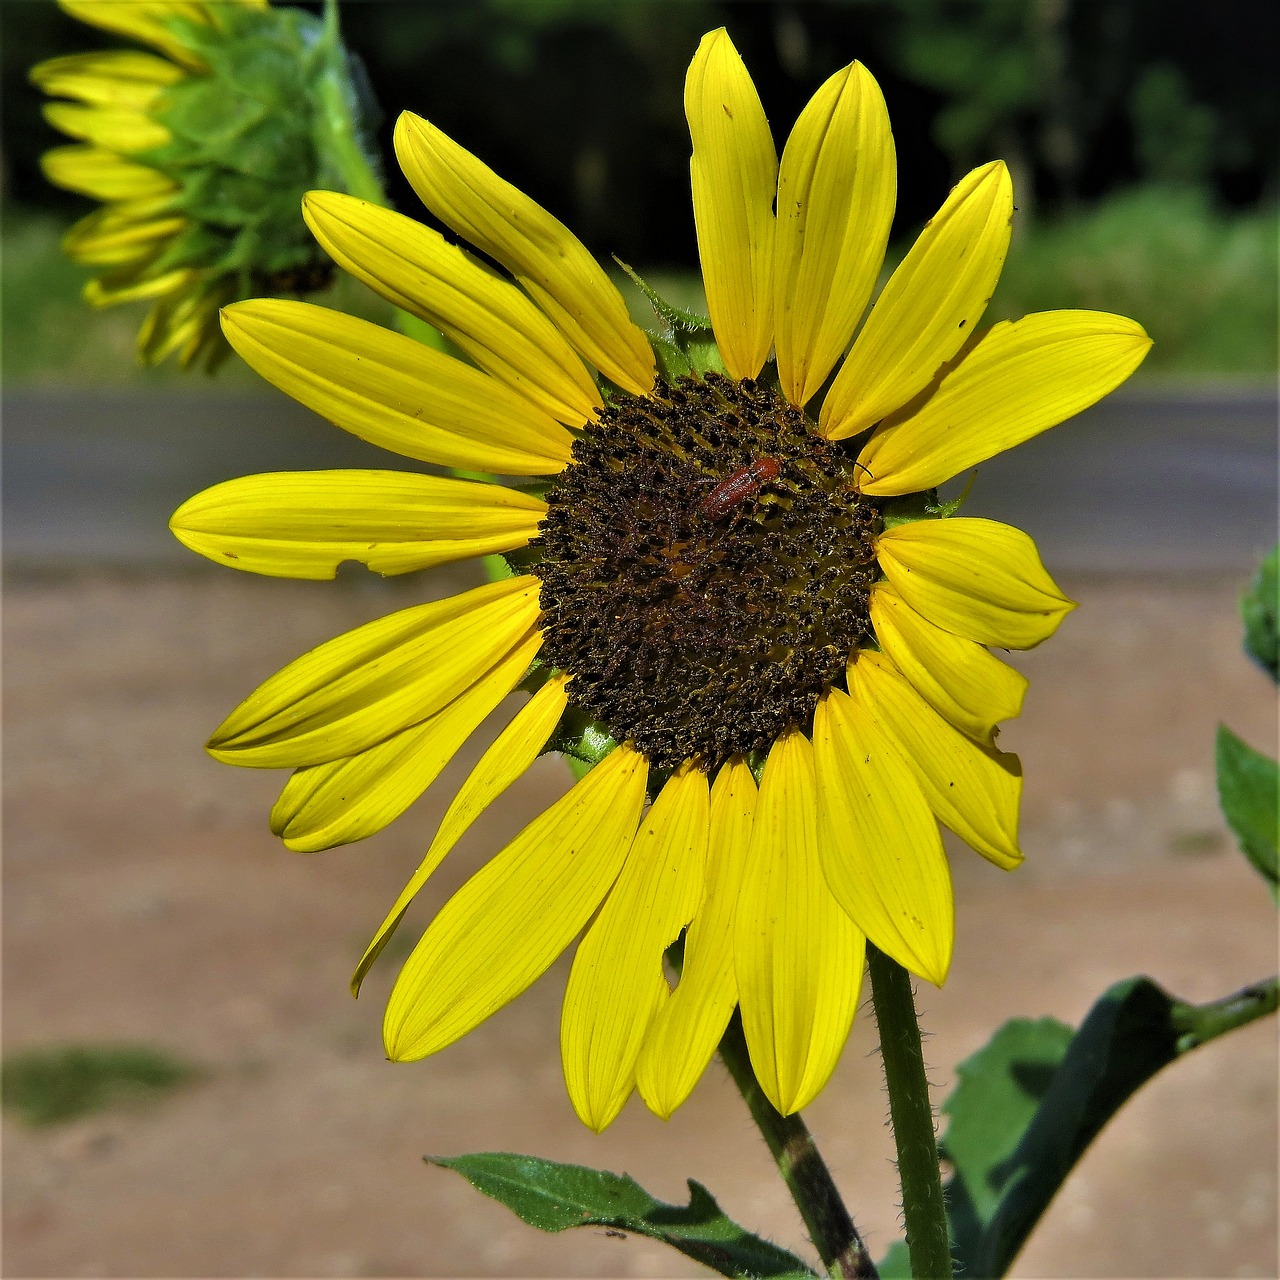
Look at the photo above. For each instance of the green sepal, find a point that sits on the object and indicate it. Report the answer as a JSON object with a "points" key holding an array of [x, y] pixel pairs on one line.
{"points": [[911, 507], [250, 138], [687, 348], [1249, 793], [1030, 1103], [945, 510], [1259, 607], [554, 1197]]}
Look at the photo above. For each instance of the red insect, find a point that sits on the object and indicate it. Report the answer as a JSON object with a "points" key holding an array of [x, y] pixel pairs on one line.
{"points": [[738, 486]]}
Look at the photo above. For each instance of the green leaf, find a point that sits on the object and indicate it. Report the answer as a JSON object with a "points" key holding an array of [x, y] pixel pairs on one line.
{"points": [[1008, 1170], [554, 1197], [1259, 607], [896, 1264], [1249, 792], [998, 1091]]}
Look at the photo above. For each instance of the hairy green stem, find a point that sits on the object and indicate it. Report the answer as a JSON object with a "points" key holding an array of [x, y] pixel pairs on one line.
{"points": [[342, 143], [802, 1167], [911, 1113]]}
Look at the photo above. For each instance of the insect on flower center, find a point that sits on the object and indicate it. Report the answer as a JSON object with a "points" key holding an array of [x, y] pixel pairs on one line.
{"points": [[705, 563]]}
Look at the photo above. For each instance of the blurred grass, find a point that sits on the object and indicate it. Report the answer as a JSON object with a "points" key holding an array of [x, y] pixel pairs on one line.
{"points": [[1203, 282], [52, 1086]]}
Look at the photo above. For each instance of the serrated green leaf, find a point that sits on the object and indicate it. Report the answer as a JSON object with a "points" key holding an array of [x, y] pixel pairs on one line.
{"points": [[555, 1197], [1260, 606], [1249, 792]]}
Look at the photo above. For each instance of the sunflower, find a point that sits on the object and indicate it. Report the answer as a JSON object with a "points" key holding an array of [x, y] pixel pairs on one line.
{"points": [[199, 154], [734, 587]]}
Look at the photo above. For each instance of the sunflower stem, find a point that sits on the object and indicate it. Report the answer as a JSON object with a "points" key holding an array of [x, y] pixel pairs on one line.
{"points": [[802, 1167], [911, 1114]]}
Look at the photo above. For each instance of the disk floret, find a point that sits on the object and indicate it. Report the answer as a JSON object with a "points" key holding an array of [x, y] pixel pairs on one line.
{"points": [[705, 565]]}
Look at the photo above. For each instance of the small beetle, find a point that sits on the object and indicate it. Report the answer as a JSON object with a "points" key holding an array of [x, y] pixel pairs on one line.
{"points": [[738, 486]]}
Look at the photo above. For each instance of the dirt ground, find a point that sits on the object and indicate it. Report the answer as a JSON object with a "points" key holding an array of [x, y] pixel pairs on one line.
{"points": [[145, 900]]}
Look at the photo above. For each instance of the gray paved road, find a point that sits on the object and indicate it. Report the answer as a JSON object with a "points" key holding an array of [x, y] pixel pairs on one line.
{"points": [[1145, 481]]}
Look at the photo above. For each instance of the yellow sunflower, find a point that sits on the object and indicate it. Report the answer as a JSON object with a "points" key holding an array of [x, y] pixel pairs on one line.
{"points": [[199, 158], [753, 606]]}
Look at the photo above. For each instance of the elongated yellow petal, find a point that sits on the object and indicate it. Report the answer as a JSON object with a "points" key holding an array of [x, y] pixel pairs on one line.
{"points": [[837, 186], [120, 78], [879, 842], [734, 171], [1019, 378], [395, 392], [797, 955], [692, 1019], [116, 129], [415, 268], [958, 678], [550, 262], [975, 578], [128, 233], [128, 286], [617, 984], [93, 171], [145, 20], [346, 800], [510, 921], [512, 752], [360, 688], [930, 306], [974, 790], [304, 524]]}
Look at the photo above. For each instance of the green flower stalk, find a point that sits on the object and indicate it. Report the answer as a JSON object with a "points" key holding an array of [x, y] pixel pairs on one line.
{"points": [[200, 153]]}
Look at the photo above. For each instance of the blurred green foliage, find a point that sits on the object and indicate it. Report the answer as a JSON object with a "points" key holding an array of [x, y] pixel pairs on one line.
{"points": [[51, 1086], [1201, 281]]}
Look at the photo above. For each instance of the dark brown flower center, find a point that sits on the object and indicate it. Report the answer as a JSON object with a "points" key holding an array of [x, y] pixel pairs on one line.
{"points": [[705, 562]]}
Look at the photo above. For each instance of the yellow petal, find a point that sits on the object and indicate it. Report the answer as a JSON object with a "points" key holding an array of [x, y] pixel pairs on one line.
{"points": [[617, 983], [797, 955], [692, 1019], [395, 392], [1019, 378], [120, 78], [117, 130], [958, 678], [145, 20], [836, 191], [930, 306], [117, 235], [415, 268], [111, 291], [102, 174], [304, 524], [974, 790], [734, 171], [879, 842], [346, 800], [975, 578], [360, 688], [540, 251], [512, 752], [509, 922]]}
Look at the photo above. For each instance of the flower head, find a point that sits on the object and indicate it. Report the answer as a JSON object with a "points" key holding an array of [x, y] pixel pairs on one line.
{"points": [[200, 153], [734, 589]]}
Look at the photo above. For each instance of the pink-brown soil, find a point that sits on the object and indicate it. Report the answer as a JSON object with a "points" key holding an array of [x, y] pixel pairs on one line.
{"points": [[145, 900]]}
